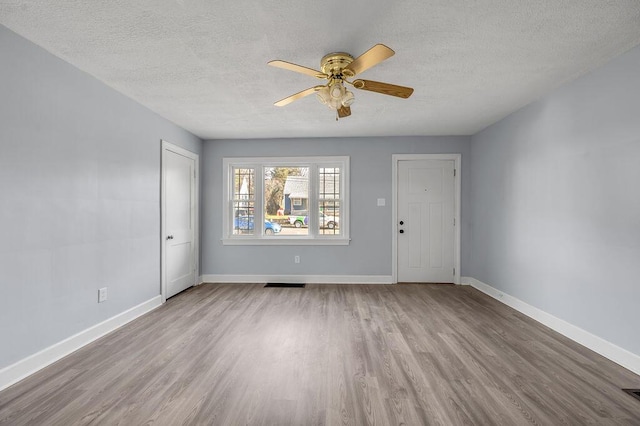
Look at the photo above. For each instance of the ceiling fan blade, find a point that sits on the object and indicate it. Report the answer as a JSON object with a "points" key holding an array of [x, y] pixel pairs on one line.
{"points": [[371, 57], [297, 68], [384, 88], [344, 111], [307, 92]]}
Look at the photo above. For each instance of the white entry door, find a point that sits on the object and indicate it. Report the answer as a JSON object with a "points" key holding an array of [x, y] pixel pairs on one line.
{"points": [[179, 219], [425, 214]]}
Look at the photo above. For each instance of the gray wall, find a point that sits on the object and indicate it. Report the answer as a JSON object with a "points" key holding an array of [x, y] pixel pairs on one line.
{"points": [[79, 199], [556, 205], [371, 229]]}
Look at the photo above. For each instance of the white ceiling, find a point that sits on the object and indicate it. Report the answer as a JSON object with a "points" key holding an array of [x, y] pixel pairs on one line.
{"points": [[202, 63]]}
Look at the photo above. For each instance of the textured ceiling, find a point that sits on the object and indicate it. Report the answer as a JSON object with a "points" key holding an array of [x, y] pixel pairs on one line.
{"points": [[202, 63]]}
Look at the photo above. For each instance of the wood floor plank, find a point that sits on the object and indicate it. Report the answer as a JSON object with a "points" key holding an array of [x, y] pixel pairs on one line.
{"points": [[328, 355]]}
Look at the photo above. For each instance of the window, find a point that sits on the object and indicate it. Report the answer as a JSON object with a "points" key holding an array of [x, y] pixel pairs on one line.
{"points": [[329, 199], [243, 200], [300, 201]]}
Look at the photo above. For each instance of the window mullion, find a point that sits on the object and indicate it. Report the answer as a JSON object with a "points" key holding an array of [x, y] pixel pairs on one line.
{"points": [[258, 214], [228, 201], [313, 200]]}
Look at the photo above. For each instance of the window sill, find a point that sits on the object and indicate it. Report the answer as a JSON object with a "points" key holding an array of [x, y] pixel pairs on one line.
{"points": [[278, 241]]}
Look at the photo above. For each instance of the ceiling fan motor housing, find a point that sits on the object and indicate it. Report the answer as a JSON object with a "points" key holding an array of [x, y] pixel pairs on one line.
{"points": [[333, 63]]}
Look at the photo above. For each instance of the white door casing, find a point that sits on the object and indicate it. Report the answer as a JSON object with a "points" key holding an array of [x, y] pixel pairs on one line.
{"points": [[426, 243], [179, 219]]}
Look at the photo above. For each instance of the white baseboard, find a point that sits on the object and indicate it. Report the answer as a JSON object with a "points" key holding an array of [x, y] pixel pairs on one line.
{"points": [[309, 279], [29, 365], [597, 344]]}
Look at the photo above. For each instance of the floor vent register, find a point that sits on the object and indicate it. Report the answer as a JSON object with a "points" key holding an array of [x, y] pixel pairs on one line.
{"points": [[633, 392], [285, 285]]}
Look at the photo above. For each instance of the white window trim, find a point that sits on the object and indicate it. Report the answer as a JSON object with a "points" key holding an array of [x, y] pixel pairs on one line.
{"points": [[258, 163]]}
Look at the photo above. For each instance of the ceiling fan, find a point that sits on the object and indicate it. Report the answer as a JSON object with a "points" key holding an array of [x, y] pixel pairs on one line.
{"points": [[337, 68]]}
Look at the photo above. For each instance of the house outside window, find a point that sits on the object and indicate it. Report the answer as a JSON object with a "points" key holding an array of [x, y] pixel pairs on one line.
{"points": [[296, 193], [300, 201]]}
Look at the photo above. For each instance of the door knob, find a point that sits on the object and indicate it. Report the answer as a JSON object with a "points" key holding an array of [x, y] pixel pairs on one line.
{"points": [[169, 237], [402, 222], [402, 231]]}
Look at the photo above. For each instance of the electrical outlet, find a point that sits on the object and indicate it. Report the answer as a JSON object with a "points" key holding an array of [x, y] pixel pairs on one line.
{"points": [[102, 295], [296, 259]]}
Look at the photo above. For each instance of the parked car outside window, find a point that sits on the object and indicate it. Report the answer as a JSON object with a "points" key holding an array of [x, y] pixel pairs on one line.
{"points": [[326, 221], [299, 221], [246, 223]]}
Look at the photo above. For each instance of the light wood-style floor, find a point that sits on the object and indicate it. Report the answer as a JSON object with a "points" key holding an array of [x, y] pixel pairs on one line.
{"points": [[328, 354]]}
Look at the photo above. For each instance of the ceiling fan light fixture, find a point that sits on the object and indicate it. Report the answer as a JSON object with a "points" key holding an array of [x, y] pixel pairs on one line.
{"points": [[323, 95], [335, 95], [337, 90], [348, 98], [334, 103]]}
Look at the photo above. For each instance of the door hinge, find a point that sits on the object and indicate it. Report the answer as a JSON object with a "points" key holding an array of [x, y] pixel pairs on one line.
{"points": [[454, 272], [454, 172], [454, 221]]}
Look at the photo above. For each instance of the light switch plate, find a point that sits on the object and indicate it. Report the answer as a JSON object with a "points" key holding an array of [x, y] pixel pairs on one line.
{"points": [[382, 202]]}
